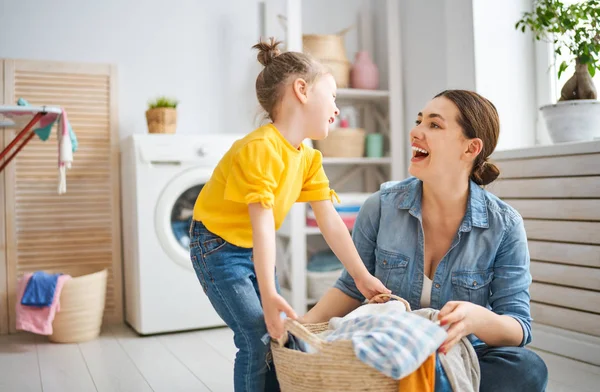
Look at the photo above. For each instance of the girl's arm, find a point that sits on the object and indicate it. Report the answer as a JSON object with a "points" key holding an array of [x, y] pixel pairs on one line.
{"points": [[263, 237], [339, 240]]}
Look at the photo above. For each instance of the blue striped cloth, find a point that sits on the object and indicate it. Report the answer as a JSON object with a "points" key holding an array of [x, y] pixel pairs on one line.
{"points": [[395, 343]]}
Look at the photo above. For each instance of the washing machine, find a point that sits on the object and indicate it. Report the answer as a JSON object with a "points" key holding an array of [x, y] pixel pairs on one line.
{"points": [[161, 177]]}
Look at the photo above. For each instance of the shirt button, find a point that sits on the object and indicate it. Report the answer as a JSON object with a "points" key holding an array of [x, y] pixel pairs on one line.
{"points": [[437, 285], [474, 283]]}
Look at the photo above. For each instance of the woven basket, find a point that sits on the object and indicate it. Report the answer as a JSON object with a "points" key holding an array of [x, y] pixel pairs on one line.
{"points": [[340, 70], [82, 300], [334, 368], [161, 120], [330, 50], [318, 283], [343, 143]]}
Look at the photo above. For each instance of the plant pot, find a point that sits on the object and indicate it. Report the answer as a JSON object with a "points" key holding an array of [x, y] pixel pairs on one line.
{"points": [[162, 120], [572, 121]]}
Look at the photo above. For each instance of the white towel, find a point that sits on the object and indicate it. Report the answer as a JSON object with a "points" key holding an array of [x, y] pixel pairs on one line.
{"points": [[65, 152]]}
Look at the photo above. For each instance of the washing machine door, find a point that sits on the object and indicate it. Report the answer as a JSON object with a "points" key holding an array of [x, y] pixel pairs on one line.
{"points": [[174, 213]]}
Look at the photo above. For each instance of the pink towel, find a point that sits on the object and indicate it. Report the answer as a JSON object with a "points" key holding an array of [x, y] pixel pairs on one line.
{"points": [[34, 319]]}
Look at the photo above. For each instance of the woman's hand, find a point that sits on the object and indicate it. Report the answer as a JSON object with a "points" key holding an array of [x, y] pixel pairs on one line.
{"points": [[463, 319], [273, 305], [370, 286]]}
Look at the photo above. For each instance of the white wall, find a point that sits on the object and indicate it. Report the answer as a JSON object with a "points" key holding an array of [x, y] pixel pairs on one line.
{"points": [[199, 51], [195, 50], [505, 69]]}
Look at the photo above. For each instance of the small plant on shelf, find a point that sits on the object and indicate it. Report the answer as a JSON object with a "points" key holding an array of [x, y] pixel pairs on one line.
{"points": [[162, 115]]}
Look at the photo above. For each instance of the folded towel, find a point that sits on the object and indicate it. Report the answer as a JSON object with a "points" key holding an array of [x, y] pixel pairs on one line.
{"points": [[40, 289], [38, 319]]}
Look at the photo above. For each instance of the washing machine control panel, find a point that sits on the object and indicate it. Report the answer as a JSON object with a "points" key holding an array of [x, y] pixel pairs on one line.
{"points": [[183, 148]]}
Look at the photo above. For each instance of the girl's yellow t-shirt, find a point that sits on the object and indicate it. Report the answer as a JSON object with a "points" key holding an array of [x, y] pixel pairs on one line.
{"points": [[263, 167]]}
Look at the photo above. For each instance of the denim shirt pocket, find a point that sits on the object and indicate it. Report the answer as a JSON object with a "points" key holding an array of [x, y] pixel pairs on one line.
{"points": [[472, 286], [390, 267]]}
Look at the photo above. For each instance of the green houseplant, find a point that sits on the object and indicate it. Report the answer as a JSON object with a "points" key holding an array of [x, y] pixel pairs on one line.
{"points": [[162, 115], [574, 29]]}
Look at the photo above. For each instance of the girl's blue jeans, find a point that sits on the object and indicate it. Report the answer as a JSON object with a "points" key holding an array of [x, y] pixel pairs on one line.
{"points": [[226, 273]]}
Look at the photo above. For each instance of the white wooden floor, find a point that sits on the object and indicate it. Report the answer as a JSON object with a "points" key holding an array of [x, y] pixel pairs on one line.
{"points": [[199, 361]]}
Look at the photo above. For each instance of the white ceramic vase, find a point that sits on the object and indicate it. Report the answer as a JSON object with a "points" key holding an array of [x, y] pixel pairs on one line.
{"points": [[572, 121]]}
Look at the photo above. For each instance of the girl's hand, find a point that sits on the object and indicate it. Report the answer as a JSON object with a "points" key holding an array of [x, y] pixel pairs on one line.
{"points": [[463, 318], [273, 305], [370, 286]]}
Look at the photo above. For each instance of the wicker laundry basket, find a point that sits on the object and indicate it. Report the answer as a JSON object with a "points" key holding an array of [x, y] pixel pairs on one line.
{"points": [[82, 300], [334, 368]]}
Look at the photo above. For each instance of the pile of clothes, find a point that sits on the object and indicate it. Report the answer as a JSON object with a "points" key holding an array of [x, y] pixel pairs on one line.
{"points": [[39, 300], [403, 345]]}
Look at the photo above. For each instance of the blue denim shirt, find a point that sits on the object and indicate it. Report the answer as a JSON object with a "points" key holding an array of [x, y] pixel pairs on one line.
{"points": [[487, 263]]}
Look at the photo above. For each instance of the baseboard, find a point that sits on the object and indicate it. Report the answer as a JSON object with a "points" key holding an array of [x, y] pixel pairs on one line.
{"points": [[574, 345]]}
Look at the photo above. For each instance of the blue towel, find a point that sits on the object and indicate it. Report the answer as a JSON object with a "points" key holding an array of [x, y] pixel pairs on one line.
{"points": [[40, 289]]}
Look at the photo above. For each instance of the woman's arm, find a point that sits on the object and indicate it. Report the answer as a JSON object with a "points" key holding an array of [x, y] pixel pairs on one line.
{"points": [[263, 238], [508, 323], [510, 291], [333, 304]]}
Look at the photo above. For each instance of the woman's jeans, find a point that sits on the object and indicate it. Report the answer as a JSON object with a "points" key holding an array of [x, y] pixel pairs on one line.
{"points": [[513, 369], [226, 273]]}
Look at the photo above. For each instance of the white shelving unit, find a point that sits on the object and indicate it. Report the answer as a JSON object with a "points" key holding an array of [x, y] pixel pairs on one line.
{"points": [[381, 110]]}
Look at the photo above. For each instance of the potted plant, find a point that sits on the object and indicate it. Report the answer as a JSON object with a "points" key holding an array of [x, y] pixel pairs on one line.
{"points": [[575, 30], [162, 115]]}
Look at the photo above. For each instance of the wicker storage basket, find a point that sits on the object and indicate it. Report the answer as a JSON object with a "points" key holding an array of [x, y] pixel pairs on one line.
{"points": [[343, 143], [334, 368], [82, 300], [329, 50], [161, 120], [317, 283]]}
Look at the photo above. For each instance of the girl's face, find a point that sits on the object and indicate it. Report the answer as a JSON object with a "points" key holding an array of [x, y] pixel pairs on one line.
{"points": [[320, 108], [439, 146]]}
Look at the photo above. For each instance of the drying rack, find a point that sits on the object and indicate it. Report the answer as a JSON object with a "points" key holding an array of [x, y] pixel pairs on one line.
{"points": [[24, 118]]}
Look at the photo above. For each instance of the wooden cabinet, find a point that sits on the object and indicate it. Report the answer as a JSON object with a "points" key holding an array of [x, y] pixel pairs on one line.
{"points": [[39, 229]]}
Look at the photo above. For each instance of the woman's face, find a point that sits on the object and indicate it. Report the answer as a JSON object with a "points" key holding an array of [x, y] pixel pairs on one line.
{"points": [[439, 147]]}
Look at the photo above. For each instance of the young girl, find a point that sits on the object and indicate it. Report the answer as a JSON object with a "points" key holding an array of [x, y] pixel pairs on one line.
{"points": [[247, 198]]}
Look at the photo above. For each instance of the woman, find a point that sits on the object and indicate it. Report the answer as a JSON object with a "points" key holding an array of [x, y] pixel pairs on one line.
{"points": [[439, 240]]}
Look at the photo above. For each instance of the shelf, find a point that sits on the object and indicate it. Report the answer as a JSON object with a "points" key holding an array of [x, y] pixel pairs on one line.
{"points": [[312, 230], [362, 95], [357, 161]]}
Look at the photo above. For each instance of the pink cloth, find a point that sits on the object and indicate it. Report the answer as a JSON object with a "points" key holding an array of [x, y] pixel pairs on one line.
{"points": [[32, 318]]}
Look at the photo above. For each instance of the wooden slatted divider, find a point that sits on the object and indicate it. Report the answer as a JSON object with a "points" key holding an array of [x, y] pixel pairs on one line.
{"points": [[79, 229], [557, 191]]}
